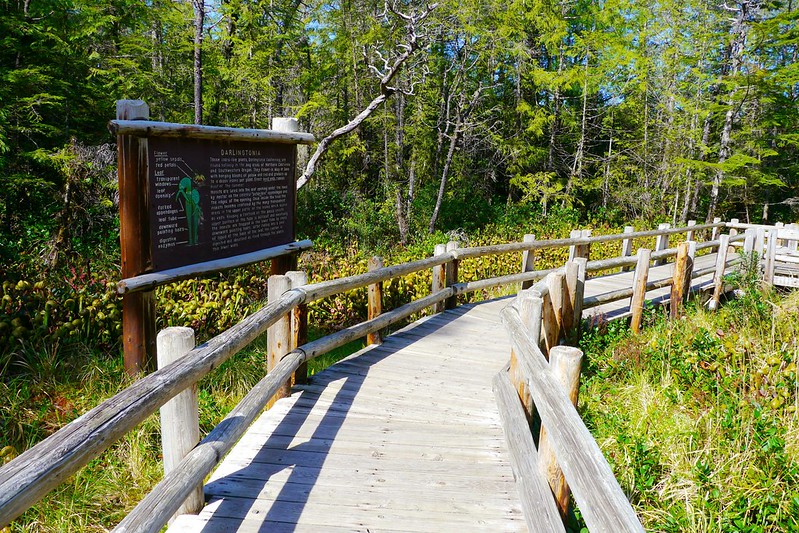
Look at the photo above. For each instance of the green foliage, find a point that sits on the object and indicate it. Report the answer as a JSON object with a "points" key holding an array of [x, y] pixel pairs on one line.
{"points": [[708, 436]]}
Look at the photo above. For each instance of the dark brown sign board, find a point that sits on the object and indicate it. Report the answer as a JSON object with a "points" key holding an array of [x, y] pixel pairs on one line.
{"points": [[212, 199]]}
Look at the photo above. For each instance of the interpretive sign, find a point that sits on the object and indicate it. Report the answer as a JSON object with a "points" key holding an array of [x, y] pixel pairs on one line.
{"points": [[195, 200], [211, 199]]}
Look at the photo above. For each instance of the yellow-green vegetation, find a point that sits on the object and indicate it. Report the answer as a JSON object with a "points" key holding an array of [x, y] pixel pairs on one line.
{"points": [[46, 392], [698, 416], [60, 351]]}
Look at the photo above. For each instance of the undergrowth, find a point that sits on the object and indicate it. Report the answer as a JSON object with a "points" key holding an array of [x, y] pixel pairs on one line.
{"points": [[60, 352], [697, 416]]}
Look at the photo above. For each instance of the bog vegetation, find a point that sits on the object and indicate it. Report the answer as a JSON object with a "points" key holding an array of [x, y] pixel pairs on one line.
{"points": [[473, 120], [708, 439]]}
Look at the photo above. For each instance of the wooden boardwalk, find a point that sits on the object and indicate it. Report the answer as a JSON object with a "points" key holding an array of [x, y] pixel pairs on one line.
{"points": [[404, 436]]}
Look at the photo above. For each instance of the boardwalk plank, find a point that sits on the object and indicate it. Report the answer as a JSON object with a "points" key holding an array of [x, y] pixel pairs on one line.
{"points": [[401, 436]]}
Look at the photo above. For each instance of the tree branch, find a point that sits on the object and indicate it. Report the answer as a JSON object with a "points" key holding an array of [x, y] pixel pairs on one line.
{"points": [[386, 90]]}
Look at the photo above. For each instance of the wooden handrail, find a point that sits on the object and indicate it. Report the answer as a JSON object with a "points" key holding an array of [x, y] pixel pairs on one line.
{"points": [[154, 510], [601, 500], [43, 467], [38, 470]]}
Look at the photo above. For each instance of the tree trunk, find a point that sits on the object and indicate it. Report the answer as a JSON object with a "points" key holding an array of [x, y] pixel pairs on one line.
{"points": [[199, 23], [577, 166], [746, 11], [453, 141], [386, 90]]}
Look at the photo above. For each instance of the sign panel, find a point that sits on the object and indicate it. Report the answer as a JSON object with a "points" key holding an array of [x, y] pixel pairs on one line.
{"points": [[212, 199]]}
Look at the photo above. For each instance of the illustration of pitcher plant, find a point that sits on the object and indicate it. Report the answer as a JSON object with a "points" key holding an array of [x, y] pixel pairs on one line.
{"points": [[191, 205]]}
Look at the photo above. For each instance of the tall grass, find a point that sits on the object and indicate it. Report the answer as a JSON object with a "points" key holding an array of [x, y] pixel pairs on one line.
{"points": [[698, 416]]}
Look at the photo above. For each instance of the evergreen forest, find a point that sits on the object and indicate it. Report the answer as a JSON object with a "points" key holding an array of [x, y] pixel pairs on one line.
{"points": [[430, 116], [471, 120]]}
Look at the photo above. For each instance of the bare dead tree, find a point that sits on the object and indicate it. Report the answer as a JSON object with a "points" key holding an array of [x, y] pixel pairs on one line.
{"points": [[746, 12], [387, 72], [465, 106]]}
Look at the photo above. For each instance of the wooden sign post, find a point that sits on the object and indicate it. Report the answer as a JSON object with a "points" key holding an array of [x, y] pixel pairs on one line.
{"points": [[198, 199], [138, 309]]}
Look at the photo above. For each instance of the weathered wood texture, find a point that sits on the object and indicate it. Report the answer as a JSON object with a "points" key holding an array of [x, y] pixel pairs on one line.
{"points": [[451, 273], [46, 465], [565, 362], [639, 289], [385, 439], [771, 256], [540, 511], [299, 323], [662, 242], [528, 260], [138, 310], [627, 246], [192, 131], [180, 419], [375, 300], [602, 503], [683, 268], [439, 275], [718, 276], [156, 279], [279, 334]]}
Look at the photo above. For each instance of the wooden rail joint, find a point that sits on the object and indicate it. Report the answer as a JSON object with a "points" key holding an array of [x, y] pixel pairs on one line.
{"points": [[554, 387]]}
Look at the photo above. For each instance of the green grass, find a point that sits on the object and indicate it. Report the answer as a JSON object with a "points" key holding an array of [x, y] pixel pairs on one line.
{"points": [[698, 416], [47, 387]]}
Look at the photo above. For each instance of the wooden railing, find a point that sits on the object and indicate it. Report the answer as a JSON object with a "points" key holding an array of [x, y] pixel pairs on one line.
{"points": [[40, 469], [539, 387]]}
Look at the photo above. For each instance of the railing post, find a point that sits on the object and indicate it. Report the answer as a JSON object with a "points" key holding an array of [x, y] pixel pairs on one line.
{"points": [[528, 261], [760, 242], [278, 335], [180, 419], [375, 300], [552, 314], [299, 324], [768, 275], [530, 315], [733, 231], [579, 250], [640, 279], [452, 275], [573, 302], [627, 246], [779, 226], [573, 249], [662, 242], [749, 241], [689, 236], [718, 276], [138, 309], [714, 234], [565, 362], [749, 247], [683, 267], [793, 243], [439, 276]]}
